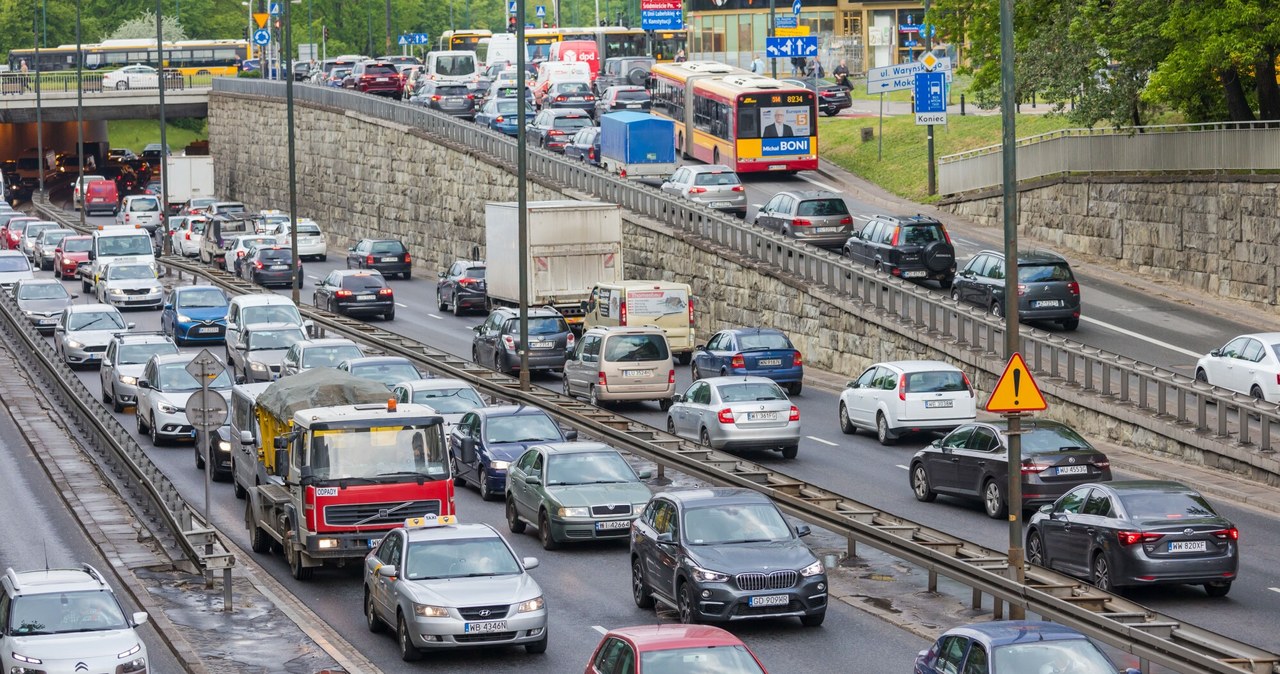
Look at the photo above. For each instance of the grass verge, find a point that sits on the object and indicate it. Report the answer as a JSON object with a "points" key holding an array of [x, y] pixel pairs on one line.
{"points": [[136, 133]]}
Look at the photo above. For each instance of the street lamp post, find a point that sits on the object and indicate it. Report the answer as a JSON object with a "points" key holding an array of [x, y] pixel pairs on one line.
{"points": [[39, 110], [80, 114], [522, 195], [293, 167], [164, 135]]}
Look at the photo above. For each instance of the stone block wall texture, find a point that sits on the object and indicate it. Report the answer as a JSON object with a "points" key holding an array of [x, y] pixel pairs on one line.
{"points": [[359, 177], [1219, 234]]}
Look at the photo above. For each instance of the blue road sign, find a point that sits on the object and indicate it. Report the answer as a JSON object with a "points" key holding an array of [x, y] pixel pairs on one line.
{"points": [[661, 19], [930, 90], [784, 21], [262, 37], [541, 12], [511, 7], [274, 9], [785, 47], [414, 38], [795, 6], [911, 43]]}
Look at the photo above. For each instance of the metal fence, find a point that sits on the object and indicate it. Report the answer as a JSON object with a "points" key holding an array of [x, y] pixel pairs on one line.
{"points": [[93, 83], [1180, 148]]}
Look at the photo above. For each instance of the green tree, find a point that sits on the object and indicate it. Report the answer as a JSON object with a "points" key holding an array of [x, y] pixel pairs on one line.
{"points": [[143, 27]]}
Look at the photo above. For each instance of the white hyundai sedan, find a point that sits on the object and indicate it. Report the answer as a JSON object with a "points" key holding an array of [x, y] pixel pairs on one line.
{"points": [[1247, 364], [907, 396]]}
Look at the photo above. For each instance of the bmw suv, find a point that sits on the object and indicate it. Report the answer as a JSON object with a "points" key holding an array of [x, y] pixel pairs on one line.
{"points": [[912, 247]]}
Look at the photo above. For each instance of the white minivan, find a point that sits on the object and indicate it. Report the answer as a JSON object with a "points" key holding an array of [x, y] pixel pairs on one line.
{"points": [[452, 66]]}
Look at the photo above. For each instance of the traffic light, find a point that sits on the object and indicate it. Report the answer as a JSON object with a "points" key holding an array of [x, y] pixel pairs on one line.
{"points": [[511, 24], [325, 32]]}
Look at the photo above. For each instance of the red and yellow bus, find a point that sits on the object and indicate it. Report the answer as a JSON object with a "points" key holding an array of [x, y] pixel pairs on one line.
{"points": [[727, 115]]}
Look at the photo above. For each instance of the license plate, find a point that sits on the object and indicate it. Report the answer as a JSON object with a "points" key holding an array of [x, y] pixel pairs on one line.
{"points": [[390, 259], [1042, 304], [637, 373], [208, 331], [48, 321], [721, 204], [1188, 546], [762, 416], [769, 362], [373, 542], [485, 627], [93, 356], [1073, 470], [543, 345], [364, 298], [613, 524], [933, 404], [914, 274], [383, 79], [634, 105], [279, 267], [769, 600], [777, 167]]}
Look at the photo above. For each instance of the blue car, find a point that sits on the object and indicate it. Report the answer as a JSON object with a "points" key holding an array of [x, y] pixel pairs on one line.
{"points": [[500, 115], [757, 352], [1022, 646], [485, 442], [195, 315]]}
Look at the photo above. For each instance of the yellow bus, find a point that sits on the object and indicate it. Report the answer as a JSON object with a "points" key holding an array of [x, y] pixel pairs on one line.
{"points": [[664, 44], [464, 40], [727, 115], [190, 57]]}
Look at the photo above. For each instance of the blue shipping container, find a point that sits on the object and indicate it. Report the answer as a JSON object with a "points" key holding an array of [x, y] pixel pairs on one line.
{"points": [[637, 138]]}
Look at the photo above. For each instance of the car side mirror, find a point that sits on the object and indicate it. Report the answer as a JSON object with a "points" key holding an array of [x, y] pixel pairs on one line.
{"points": [[700, 347], [282, 459], [1046, 508], [129, 326], [677, 398], [280, 442], [468, 450], [92, 256], [168, 306], [140, 618], [803, 530], [477, 328], [1216, 352], [529, 563], [533, 480], [645, 474], [851, 384], [387, 570], [571, 434], [246, 438], [665, 538], [75, 297], [144, 384]]}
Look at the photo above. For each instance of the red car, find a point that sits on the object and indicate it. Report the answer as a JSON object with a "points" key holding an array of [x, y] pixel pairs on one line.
{"points": [[70, 254], [673, 648], [375, 77], [13, 231]]}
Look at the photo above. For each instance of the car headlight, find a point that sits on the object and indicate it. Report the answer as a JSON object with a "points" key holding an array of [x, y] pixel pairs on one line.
{"points": [[224, 446], [426, 611], [135, 665], [534, 604], [73, 344], [131, 651], [499, 465], [129, 381], [574, 512], [116, 291], [28, 313], [257, 367], [30, 661], [812, 570], [705, 576], [183, 318], [166, 408]]}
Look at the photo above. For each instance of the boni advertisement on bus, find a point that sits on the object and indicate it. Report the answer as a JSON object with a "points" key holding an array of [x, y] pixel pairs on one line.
{"points": [[785, 130]]}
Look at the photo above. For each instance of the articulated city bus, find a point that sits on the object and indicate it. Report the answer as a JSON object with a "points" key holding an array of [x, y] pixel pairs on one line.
{"points": [[727, 115], [190, 57]]}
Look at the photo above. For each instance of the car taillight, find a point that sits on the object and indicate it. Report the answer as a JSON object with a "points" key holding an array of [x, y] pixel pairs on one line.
{"points": [[1132, 537], [385, 292], [435, 98], [1224, 534], [902, 387], [555, 132], [795, 414], [498, 119], [846, 220], [725, 416], [602, 380], [796, 360], [738, 188], [591, 153], [188, 236], [738, 362], [471, 97], [1073, 288], [697, 190], [509, 342], [466, 281], [691, 311], [258, 264], [946, 235], [968, 385], [1102, 464], [622, 313], [239, 253], [801, 222], [894, 240], [671, 376], [1034, 467], [1022, 289], [368, 259], [568, 342], [343, 293], [826, 94], [408, 258]]}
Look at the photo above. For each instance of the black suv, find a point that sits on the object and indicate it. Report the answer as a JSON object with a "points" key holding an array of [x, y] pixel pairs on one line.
{"points": [[912, 247], [1047, 290], [724, 554], [497, 340]]}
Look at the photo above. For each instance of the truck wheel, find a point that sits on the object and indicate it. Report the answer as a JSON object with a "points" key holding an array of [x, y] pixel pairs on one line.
{"points": [[296, 568], [258, 539]]}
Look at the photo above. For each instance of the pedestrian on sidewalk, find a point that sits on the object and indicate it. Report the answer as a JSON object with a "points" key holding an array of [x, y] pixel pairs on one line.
{"points": [[26, 79], [842, 75], [757, 65]]}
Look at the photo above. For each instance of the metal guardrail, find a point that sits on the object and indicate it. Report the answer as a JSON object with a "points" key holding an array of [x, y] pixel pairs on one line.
{"points": [[1153, 637], [65, 83], [194, 535], [1159, 401], [1180, 148]]}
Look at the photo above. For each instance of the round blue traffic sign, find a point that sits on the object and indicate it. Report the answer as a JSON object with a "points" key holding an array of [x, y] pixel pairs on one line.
{"points": [[262, 37]]}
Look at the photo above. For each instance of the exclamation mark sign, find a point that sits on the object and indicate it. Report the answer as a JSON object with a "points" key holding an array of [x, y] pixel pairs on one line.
{"points": [[1017, 380]]}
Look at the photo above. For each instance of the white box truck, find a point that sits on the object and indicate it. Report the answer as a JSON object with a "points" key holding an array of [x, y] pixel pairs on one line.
{"points": [[190, 177], [573, 245]]}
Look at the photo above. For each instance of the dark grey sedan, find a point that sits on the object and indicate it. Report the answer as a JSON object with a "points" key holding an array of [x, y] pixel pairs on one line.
{"points": [[451, 99], [1047, 290], [42, 301], [1134, 533], [816, 216]]}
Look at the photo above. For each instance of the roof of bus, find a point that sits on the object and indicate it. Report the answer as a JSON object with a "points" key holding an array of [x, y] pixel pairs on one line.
{"points": [[683, 71], [745, 84]]}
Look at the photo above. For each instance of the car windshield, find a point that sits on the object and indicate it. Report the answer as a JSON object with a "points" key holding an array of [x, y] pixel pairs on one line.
{"points": [[384, 451], [130, 272], [544, 325], [130, 244], [588, 468], [453, 400], [42, 291], [54, 236], [34, 229], [700, 660], [942, 381], [144, 204], [522, 428], [822, 207], [201, 298], [280, 313], [261, 340], [455, 66], [95, 320], [635, 348], [139, 354], [507, 107], [738, 523], [387, 248], [1077, 656], [63, 612], [329, 356], [573, 88], [173, 377], [1051, 439], [1155, 505], [750, 391], [571, 122], [459, 558], [1040, 273], [363, 282], [14, 263], [764, 341], [387, 373], [717, 178], [76, 244], [250, 242]]}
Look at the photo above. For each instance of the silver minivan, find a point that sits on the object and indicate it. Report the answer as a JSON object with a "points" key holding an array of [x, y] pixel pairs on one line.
{"points": [[621, 363], [244, 435]]}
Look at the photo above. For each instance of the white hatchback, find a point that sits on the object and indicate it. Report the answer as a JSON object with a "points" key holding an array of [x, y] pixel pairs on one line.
{"points": [[907, 396], [1247, 364]]}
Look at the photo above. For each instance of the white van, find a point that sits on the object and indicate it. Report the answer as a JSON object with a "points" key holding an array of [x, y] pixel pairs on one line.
{"points": [[130, 243], [502, 48], [140, 209], [659, 303], [452, 66]]}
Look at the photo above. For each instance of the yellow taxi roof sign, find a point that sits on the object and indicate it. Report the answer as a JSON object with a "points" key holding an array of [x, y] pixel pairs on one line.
{"points": [[1016, 391], [430, 521]]}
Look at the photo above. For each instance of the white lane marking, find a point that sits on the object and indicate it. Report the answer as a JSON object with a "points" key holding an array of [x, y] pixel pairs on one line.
{"points": [[1274, 589], [435, 317], [604, 631], [814, 182], [313, 278], [967, 242], [902, 466], [1149, 340], [864, 218], [402, 306], [825, 442]]}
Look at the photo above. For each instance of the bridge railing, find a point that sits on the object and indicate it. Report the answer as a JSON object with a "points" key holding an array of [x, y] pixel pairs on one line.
{"points": [[20, 84]]}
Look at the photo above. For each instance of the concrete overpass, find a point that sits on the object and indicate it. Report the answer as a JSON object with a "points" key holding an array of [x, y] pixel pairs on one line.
{"points": [[60, 106]]}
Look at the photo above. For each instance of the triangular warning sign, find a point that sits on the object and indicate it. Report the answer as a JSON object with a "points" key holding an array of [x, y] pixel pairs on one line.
{"points": [[1016, 391]]}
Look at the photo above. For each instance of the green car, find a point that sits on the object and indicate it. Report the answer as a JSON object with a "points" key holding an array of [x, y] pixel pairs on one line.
{"points": [[574, 491]]}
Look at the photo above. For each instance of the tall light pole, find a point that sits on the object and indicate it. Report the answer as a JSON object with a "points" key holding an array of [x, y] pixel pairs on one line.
{"points": [[35, 34], [1009, 142], [388, 44], [293, 167], [522, 195], [80, 114], [164, 132]]}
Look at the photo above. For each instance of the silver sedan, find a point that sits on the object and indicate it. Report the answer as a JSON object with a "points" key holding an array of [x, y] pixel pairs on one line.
{"points": [[737, 413]]}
